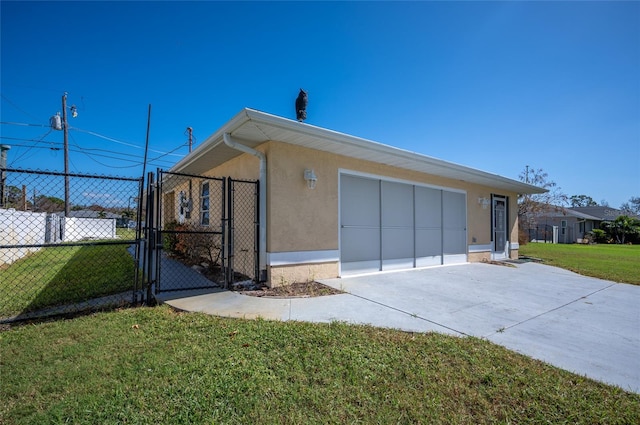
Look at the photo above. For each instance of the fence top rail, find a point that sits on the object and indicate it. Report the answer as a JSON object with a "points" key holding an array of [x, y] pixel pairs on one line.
{"points": [[72, 244], [244, 181], [161, 172], [57, 173], [190, 232]]}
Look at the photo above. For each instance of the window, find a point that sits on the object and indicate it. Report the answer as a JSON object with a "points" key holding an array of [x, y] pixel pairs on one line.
{"points": [[204, 204], [563, 227]]}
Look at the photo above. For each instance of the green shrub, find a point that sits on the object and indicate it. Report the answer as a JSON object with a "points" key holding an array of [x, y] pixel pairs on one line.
{"points": [[599, 236], [170, 239]]}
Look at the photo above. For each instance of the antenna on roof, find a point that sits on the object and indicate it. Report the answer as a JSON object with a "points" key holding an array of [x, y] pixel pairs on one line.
{"points": [[301, 106]]}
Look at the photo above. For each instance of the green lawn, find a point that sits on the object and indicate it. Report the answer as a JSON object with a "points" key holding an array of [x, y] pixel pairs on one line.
{"points": [[619, 263], [156, 366], [64, 274]]}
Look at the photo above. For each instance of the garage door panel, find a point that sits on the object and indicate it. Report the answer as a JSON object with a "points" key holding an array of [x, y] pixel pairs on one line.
{"points": [[359, 267], [397, 199], [454, 209], [360, 201], [454, 241], [434, 260], [428, 207], [391, 225], [454, 221], [397, 243], [428, 242], [398, 264], [360, 244]]}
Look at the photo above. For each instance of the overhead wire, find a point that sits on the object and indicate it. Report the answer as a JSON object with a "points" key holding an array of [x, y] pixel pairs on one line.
{"points": [[91, 156], [111, 139], [24, 124], [39, 139], [156, 161], [10, 102]]}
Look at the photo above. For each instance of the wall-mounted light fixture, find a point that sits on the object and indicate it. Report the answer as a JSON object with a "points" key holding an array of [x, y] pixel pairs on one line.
{"points": [[485, 202], [311, 178]]}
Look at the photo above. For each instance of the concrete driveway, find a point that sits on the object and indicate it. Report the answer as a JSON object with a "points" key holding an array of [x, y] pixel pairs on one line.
{"points": [[584, 325]]}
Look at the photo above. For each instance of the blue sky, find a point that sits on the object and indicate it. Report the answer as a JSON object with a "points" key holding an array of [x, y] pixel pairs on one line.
{"points": [[491, 85]]}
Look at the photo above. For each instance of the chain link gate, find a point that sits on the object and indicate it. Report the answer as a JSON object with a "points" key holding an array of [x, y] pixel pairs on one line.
{"points": [[201, 232], [54, 262], [244, 227]]}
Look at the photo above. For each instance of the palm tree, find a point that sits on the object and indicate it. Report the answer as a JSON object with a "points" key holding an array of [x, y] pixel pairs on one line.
{"points": [[622, 227]]}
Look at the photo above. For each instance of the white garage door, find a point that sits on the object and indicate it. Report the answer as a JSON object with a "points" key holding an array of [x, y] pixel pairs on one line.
{"points": [[388, 225]]}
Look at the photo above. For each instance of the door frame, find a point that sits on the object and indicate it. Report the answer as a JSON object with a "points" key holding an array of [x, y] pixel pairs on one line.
{"points": [[499, 238]]}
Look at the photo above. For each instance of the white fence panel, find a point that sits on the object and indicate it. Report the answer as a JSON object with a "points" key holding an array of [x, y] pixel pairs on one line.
{"points": [[77, 229], [20, 228]]}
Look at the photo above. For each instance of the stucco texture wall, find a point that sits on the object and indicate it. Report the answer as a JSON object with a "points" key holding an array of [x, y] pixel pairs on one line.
{"points": [[302, 219]]}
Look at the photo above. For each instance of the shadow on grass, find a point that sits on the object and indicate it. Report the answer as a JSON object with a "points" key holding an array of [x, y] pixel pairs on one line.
{"points": [[66, 279]]}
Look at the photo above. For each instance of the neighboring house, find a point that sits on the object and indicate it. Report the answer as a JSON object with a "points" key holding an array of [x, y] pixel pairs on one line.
{"points": [[573, 224], [333, 205], [120, 220]]}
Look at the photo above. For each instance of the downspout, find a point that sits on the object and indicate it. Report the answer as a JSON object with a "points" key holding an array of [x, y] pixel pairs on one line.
{"points": [[226, 137]]}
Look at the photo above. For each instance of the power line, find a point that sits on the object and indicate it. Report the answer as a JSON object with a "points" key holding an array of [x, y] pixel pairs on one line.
{"points": [[24, 124], [93, 133], [168, 153], [27, 140], [40, 139], [111, 139], [18, 108]]}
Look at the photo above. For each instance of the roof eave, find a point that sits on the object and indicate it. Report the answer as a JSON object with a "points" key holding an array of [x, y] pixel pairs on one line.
{"points": [[416, 160]]}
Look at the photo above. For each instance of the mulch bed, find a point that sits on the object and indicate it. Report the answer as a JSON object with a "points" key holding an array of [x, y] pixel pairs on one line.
{"points": [[294, 290]]}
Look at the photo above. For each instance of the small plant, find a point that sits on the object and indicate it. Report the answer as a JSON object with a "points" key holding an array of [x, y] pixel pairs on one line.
{"points": [[192, 242], [599, 236], [169, 238]]}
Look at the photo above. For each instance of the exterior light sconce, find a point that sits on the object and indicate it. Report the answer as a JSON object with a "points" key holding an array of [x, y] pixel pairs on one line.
{"points": [[311, 178], [484, 202]]}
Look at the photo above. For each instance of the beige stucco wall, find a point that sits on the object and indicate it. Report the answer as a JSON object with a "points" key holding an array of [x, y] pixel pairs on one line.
{"points": [[304, 219], [301, 219]]}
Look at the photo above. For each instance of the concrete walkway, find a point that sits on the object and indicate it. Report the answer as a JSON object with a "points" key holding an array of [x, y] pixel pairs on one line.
{"points": [[584, 325]]}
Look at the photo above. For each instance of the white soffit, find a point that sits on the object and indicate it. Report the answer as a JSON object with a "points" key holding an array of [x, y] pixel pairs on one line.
{"points": [[252, 128]]}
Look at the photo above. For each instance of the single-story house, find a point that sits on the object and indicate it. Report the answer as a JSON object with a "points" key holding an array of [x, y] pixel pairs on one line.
{"points": [[332, 204], [574, 223]]}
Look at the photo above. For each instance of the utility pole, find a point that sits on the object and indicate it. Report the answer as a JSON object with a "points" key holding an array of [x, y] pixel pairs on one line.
{"points": [[190, 131], [3, 174], [65, 129]]}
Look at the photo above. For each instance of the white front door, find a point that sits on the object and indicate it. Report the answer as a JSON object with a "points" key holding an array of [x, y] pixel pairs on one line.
{"points": [[499, 213]]}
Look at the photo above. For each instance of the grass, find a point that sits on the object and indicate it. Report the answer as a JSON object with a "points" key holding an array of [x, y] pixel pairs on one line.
{"points": [[153, 365], [618, 263], [64, 274]]}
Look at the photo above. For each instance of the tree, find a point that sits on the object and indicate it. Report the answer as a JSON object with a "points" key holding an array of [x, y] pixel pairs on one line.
{"points": [[13, 196], [632, 207], [622, 228], [582, 201], [49, 204], [530, 206]]}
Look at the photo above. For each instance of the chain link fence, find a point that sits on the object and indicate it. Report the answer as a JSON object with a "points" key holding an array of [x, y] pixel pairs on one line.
{"points": [[60, 257], [243, 230], [204, 232], [190, 223]]}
